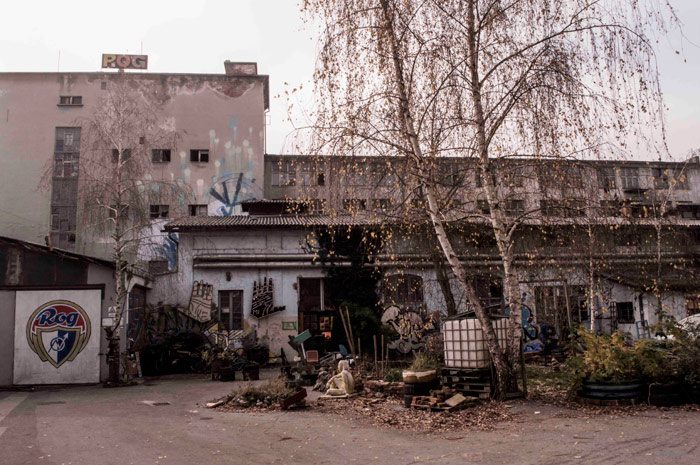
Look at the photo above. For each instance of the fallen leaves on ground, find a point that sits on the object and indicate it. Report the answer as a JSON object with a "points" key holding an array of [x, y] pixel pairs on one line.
{"points": [[391, 412]]}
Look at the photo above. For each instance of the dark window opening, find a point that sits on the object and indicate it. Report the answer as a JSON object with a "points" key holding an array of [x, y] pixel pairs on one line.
{"points": [[160, 155], [625, 312], [70, 100], [159, 211], [199, 156], [403, 290], [353, 205], [198, 210], [125, 155]]}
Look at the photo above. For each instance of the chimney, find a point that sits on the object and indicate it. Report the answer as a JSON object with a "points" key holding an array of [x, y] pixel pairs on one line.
{"points": [[240, 69]]}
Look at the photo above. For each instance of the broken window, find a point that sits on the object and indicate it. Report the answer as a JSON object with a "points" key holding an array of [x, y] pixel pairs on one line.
{"points": [[70, 100], [230, 312], [159, 211], [160, 155], [198, 210], [199, 155]]}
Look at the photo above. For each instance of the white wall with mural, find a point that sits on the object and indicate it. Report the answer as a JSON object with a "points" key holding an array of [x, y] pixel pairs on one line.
{"points": [[57, 337]]}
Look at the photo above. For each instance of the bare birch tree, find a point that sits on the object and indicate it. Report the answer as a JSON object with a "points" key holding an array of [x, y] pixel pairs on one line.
{"points": [[481, 80], [116, 191]]}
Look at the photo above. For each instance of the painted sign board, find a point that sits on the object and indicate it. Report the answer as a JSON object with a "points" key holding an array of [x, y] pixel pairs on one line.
{"points": [[57, 337], [118, 61]]}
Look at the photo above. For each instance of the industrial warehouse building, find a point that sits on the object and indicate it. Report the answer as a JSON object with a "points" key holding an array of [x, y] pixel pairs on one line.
{"points": [[241, 251]]}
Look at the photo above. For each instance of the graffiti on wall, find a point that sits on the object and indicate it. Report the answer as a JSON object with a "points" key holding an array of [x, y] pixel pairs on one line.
{"points": [[170, 243], [58, 331], [228, 192], [411, 327], [201, 301], [263, 294]]}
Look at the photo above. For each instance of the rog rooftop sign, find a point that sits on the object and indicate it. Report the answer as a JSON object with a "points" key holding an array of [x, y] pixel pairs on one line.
{"points": [[116, 61]]}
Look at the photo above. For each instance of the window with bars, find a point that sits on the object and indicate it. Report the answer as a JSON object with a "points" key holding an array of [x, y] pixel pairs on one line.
{"points": [[625, 312]]}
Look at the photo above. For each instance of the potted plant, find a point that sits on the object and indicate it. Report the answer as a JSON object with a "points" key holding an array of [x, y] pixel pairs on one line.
{"points": [[607, 367]]}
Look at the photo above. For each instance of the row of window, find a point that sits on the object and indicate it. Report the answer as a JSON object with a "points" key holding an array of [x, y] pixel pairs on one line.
{"points": [[163, 155], [162, 211], [609, 178]]}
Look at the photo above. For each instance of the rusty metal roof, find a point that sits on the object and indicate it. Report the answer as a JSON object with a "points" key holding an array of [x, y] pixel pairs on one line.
{"points": [[248, 221]]}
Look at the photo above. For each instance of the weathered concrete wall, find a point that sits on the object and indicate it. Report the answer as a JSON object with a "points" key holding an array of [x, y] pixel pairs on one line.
{"points": [[7, 336], [225, 114]]}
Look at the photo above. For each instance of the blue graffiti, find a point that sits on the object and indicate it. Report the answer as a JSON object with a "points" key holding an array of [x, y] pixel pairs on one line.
{"points": [[170, 250], [229, 202]]}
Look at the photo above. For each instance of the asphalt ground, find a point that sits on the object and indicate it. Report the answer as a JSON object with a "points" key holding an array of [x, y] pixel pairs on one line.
{"points": [[93, 425]]}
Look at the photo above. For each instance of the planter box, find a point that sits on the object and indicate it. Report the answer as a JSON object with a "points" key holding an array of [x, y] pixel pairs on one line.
{"points": [[600, 390]]}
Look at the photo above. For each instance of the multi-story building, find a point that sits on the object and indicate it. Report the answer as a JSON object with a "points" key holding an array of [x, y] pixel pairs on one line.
{"points": [[219, 120]]}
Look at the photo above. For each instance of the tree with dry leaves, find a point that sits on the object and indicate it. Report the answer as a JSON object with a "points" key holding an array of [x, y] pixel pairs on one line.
{"points": [[479, 82]]}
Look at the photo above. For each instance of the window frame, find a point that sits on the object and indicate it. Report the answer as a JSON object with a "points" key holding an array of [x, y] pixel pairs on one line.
{"points": [[157, 212], [236, 318], [70, 101], [161, 158], [199, 155], [630, 317], [197, 209]]}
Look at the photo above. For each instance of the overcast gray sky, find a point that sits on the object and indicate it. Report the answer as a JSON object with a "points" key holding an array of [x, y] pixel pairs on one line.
{"points": [[198, 35]]}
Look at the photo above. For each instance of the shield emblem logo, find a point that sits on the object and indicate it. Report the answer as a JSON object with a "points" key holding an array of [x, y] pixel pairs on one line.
{"points": [[58, 331]]}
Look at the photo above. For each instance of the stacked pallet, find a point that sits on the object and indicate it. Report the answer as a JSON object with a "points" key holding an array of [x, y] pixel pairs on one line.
{"points": [[470, 382]]}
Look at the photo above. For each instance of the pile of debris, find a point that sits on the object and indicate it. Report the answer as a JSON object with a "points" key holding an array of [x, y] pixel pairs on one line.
{"points": [[272, 395], [390, 412]]}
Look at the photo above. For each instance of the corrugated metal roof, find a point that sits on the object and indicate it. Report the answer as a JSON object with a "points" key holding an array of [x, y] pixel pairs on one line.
{"points": [[311, 220], [235, 221]]}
